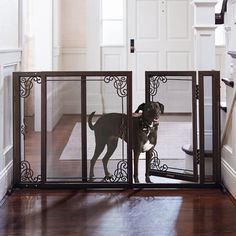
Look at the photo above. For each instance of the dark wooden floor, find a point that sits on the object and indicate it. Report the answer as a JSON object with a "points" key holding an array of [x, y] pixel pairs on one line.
{"points": [[118, 212], [63, 169]]}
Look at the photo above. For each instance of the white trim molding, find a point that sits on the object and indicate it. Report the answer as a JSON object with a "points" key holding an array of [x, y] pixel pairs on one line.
{"points": [[65, 50], [205, 2], [6, 179], [229, 177], [205, 27], [68, 50], [10, 56], [10, 60], [8, 50]]}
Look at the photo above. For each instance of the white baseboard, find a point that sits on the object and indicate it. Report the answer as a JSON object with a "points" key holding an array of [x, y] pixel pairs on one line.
{"points": [[10, 56], [229, 177], [6, 179]]}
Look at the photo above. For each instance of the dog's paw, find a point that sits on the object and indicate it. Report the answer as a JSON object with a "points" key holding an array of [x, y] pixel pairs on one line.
{"points": [[92, 179], [108, 177], [147, 179], [136, 180]]}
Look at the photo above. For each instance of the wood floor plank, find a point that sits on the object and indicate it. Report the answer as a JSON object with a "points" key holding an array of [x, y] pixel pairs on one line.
{"points": [[118, 212]]}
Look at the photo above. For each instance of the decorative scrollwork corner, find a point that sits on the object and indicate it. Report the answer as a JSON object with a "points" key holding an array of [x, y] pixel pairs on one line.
{"points": [[155, 83], [26, 84], [120, 84], [27, 174], [156, 162], [120, 174]]}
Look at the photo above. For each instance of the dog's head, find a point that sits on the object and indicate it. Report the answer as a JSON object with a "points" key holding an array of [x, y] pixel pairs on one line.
{"points": [[151, 111]]}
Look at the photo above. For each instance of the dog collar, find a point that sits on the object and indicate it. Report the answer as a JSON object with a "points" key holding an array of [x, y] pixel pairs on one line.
{"points": [[145, 126]]}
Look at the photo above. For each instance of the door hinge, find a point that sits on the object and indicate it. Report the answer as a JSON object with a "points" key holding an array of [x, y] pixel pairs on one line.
{"points": [[198, 156], [197, 92]]}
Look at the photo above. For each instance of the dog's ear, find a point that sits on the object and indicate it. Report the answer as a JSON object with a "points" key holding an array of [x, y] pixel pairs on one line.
{"points": [[140, 107], [161, 107]]}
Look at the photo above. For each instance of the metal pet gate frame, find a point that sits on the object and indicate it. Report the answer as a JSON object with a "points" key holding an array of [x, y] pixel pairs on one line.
{"points": [[23, 82], [154, 79]]}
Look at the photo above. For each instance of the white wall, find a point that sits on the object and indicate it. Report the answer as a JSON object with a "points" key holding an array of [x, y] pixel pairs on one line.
{"points": [[37, 41], [69, 50], [41, 27], [69, 37], [229, 143], [10, 57], [113, 58], [55, 39], [70, 41], [8, 24], [73, 23], [77, 46]]}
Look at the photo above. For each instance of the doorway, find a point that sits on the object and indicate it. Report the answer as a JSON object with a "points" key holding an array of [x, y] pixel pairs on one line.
{"points": [[160, 38]]}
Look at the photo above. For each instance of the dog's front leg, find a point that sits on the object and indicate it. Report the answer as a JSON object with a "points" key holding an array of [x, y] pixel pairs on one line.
{"points": [[148, 163], [136, 158]]}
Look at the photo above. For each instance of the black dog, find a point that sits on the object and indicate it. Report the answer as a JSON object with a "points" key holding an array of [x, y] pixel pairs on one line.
{"points": [[110, 127]]}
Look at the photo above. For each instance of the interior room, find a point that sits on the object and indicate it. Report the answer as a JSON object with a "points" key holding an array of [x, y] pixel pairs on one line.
{"points": [[77, 77]]}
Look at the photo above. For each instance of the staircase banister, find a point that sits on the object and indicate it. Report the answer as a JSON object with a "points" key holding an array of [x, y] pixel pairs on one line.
{"points": [[228, 82], [219, 17], [228, 117]]}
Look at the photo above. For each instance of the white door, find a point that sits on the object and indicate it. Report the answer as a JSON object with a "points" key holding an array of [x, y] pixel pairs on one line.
{"points": [[163, 40]]}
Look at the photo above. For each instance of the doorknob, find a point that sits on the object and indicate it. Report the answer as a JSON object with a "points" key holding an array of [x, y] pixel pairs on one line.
{"points": [[132, 46]]}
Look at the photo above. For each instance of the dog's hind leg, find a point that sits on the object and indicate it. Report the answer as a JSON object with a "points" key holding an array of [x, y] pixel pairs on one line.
{"points": [[98, 150], [111, 147]]}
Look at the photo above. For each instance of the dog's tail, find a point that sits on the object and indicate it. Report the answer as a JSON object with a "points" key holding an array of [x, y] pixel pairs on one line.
{"points": [[91, 126]]}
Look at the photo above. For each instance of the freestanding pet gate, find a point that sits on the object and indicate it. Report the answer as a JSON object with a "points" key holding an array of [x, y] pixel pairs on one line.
{"points": [[53, 144]]}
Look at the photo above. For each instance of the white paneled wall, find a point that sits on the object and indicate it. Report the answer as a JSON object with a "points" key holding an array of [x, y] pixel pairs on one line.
{"points": [[220, 65], [114, 58], [10, 58], [73, 58], [229, 142], [9, 62]]}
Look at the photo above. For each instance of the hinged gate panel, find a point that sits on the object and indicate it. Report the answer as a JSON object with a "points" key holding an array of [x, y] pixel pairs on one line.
{"points": [[203, 151], [170, 163]]}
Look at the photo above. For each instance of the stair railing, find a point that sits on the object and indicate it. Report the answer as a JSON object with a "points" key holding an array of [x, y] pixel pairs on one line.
{"points": [[229, 116], [219, 17]]}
